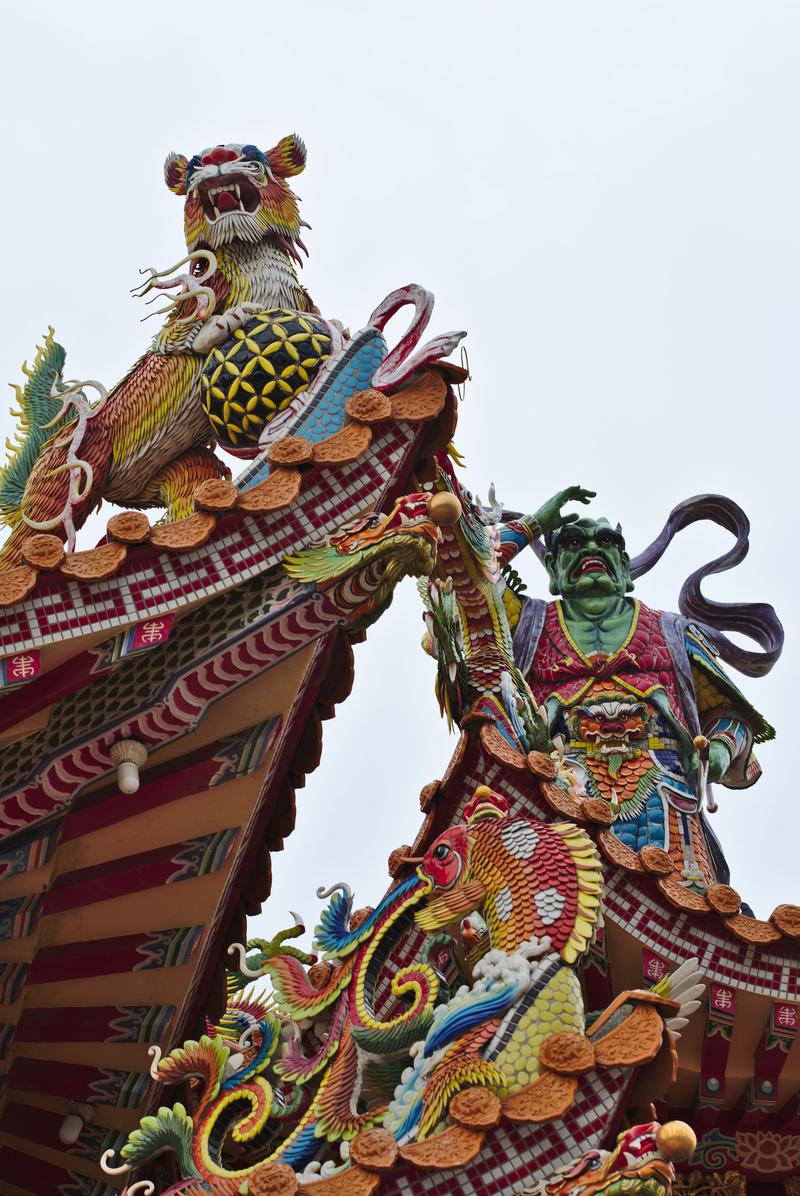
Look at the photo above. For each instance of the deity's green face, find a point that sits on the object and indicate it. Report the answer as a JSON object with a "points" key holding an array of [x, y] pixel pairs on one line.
{"points": [[587, 559]]}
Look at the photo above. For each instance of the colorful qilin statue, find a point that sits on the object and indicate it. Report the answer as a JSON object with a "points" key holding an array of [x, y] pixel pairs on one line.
{"points": [[637, 700], [148, 442], [311, 1079]]}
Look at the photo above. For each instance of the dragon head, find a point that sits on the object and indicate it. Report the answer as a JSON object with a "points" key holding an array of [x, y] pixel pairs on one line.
{"points": [[239, 193], [537, 884], [409, 517], [380, 549], [641, 1163]]}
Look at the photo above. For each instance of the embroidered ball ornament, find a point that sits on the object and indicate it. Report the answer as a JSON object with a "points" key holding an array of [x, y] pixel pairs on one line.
{"points": [[255, 374]]}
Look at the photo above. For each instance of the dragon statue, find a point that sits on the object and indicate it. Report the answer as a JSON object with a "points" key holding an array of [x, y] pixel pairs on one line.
{"points": [[297, 1078], [149, 441], [363, 562], [322, 1013], [467, 626], [641, 1164]]}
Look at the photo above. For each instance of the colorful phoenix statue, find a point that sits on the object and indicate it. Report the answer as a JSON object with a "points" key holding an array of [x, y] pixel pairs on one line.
{"points": [[358, 1052], [149, 441], [537, 889]]}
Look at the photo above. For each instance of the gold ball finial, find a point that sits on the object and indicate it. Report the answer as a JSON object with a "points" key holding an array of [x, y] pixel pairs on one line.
{"points": [[700, 742], [677, 1141], [445, 509]]}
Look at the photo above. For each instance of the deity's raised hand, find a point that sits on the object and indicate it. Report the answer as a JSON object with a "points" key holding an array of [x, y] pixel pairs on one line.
{"points": [[549, 515]]}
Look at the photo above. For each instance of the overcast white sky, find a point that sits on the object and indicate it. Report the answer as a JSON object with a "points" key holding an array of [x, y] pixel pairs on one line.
{"points": [[604, 194]]}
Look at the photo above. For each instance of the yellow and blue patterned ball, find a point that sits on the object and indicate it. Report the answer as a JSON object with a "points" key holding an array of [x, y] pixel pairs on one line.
{"points": [[255, 374]]}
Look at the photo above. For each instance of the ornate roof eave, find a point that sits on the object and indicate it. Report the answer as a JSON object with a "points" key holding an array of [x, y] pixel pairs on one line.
{"points": [[144, 571], [393, 449]]}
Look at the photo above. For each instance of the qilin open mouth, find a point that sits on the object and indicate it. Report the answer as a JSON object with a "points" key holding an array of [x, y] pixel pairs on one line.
{"points": [[228, 193]]}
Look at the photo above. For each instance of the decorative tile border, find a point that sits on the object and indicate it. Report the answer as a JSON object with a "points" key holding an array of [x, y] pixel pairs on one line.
{"points": [[515, 1157], [152, 582]]}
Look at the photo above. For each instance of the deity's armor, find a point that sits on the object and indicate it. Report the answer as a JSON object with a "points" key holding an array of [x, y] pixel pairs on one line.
{"points": [[628, 719]]}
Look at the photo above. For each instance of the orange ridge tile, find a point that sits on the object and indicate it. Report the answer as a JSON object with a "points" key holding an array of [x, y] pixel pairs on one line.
{"points": [[369, 406], [723, 899], [787, 919], [549, 1097], [346, 445], [595, 809], [375, 1149], [216, 494], [290, 450], [542, 765], [95, 564], [423, 400], [130, 527], [453, 1147], [752, 930], [476, 1109], [277, 491], [499, 749], [43, 551], [567, 1053], [656, 861], [191, 532]]}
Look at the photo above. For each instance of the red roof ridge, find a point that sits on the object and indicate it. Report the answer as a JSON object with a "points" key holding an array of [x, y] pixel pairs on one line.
{"points": [[292, 458]]}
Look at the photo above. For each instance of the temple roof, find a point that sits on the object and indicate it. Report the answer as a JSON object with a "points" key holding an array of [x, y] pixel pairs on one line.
{"points": [[116, 909]]}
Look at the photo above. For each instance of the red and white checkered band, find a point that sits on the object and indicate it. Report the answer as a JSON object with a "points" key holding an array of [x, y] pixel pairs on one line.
{"points": [[152, 582], [514, 1157]]}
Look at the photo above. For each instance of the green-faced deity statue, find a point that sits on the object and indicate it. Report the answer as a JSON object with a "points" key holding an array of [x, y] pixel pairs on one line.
{"points": [[647, 716]]}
